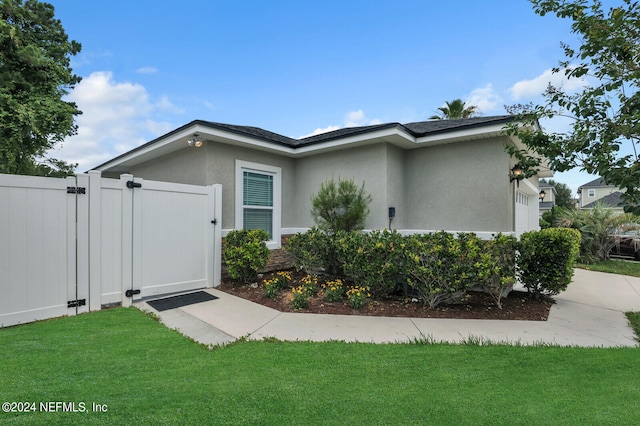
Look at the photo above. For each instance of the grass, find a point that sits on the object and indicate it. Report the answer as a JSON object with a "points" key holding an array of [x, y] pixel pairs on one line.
{"points": [[613, 266], [634, 321], [147, 374]]}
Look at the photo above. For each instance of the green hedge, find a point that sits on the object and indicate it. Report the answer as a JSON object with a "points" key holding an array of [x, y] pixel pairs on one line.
{"points": [[371, 259], [546, 259], [440, 267]]}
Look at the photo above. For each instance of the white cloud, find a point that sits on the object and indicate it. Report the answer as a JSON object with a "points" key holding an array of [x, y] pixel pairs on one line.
{"points": [[537, 85], [116, 117], [485, 99], [351, 119], [147, 70]]}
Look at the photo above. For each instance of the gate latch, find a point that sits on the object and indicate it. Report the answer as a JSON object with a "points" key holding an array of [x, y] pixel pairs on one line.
{"points": [[131, 184], [130, 293]]}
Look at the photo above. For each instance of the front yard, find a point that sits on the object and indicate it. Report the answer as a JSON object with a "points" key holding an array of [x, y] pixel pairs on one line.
{"points": [[143, 373]]}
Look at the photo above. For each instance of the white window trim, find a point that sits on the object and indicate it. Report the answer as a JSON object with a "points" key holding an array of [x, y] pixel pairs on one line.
{"points": [[276, 172], [591, 193]]}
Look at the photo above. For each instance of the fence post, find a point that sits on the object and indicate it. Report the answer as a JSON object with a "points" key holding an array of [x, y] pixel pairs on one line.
{"points": [[95, 240], [82, 238], [127, 238], [71, 246]]}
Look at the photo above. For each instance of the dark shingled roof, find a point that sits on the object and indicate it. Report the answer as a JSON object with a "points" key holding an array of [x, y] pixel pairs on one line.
{"points": [[612, 200], [596, 182], [422, 128], [416, 129]]}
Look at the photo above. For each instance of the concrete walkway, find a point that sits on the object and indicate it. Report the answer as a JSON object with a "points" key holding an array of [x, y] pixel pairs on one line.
{"points": [[589, 313]]}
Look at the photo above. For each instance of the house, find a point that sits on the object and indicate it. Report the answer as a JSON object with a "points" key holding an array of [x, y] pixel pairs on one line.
{"points": [[598, 191], [438, 175], [548, 201]]}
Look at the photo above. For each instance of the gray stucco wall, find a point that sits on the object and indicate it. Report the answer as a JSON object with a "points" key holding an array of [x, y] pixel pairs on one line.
{"points": [[187, 165], [363, 164], [462, 186], [396, 185]]}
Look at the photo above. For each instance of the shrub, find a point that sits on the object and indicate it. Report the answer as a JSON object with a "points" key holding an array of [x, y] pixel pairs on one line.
{"points": [[440, 267], [245, 253], [333, 290], [307, 250], [358, 296], [372, 260], [496, 267], [546, 259], [314, 251], [341, 206]]}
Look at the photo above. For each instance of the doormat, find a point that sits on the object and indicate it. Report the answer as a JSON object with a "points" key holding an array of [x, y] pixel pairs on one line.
{"points": [[181, 300]]}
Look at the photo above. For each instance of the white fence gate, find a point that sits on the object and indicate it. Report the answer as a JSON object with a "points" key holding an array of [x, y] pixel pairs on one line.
{"points": [[72, 245]]}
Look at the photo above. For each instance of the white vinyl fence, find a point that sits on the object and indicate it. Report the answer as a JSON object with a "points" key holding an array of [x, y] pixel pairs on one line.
{"points": [[72, 245]]}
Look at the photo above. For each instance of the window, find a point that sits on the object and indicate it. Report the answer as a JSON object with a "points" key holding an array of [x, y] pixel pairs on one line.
{"points": [[591, 193], [258, 199]]}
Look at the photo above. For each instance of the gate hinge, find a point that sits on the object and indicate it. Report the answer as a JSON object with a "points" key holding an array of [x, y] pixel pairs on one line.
{"points": [[76, 190], [131, 184], [130, 293], [76, 303], [214, 221]]}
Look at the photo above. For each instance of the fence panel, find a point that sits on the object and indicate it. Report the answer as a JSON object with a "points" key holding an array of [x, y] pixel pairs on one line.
{"points": [[37, 248]]}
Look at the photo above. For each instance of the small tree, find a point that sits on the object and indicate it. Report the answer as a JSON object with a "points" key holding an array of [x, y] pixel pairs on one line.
{"points": [[341, 206]]}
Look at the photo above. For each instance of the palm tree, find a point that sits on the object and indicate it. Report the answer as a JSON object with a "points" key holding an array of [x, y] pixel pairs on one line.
{"points": [[456, 109], [598, 227]]}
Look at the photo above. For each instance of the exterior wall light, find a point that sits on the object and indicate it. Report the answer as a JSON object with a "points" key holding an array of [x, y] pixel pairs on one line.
{"points": [[195, 141], [542, 195], [516, 174]]}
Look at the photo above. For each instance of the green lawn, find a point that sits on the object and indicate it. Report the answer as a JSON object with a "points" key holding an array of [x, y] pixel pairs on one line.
{"points": [[614, 266], [145, 373]]}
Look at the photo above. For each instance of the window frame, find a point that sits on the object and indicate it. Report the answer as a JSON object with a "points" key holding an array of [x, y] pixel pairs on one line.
{"points": [[276, 173], [591, 192]]}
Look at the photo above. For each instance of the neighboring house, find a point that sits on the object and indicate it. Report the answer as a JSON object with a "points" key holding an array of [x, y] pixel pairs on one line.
{"points": [[449, 175], [597, 191], [549, 201]]}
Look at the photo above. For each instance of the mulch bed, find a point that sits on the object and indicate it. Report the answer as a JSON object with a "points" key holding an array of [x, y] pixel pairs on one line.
{"points": [[516, 306]]}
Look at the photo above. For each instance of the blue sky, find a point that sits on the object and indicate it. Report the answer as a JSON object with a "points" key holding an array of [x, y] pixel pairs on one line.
{"points": [[297, 67]]}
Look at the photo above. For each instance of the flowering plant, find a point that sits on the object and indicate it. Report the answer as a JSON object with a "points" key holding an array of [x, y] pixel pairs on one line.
{"points": [[300, 298], [358, 296], [333, 290]]}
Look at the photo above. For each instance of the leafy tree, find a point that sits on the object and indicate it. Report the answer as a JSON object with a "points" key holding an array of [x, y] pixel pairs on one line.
{"points": [[341, 206], [35, 74], [454, 110], [563, 194], [604, 135]]}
